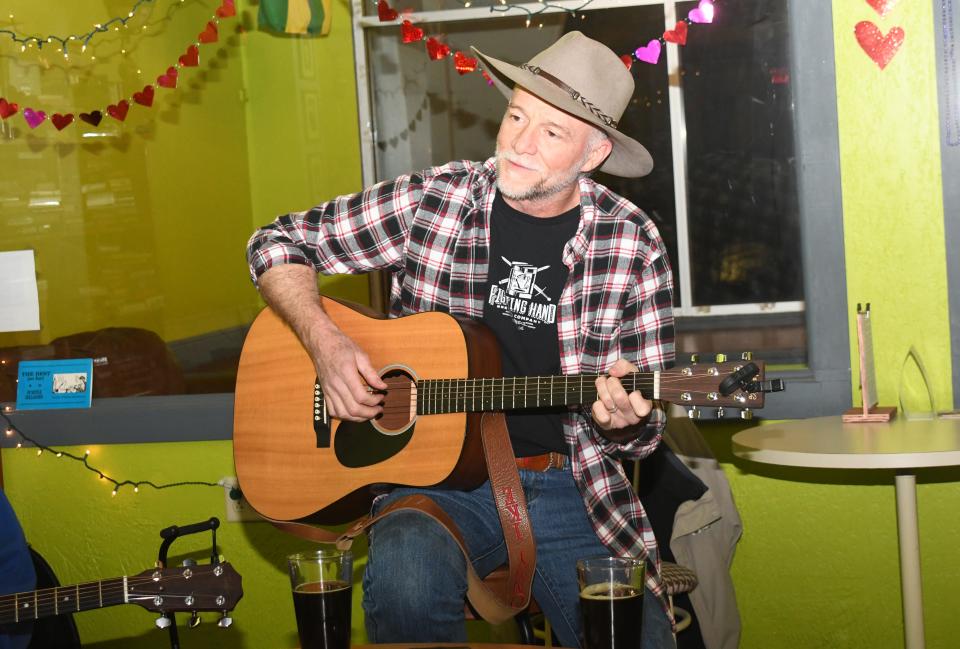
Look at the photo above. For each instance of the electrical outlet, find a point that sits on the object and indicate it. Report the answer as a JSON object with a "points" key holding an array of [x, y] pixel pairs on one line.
{"points": [[238, 509]]}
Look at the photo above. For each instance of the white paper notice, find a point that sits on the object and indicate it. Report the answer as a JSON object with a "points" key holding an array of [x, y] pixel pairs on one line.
{"points": [[19, 304]]}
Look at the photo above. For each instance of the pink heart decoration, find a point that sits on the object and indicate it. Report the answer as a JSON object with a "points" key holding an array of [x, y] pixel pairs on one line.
{"points": [[704, 12], [878, 47], [169, 79], [882, 7], [34, 117], [649, 53]]}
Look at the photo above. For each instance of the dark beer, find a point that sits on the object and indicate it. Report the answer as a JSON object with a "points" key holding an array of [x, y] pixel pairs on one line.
{"points": [[323, 614], [612, 616]]}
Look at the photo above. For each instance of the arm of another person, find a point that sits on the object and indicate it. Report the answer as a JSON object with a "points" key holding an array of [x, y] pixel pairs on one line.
{"points": [[630, 423], [351, 234]]}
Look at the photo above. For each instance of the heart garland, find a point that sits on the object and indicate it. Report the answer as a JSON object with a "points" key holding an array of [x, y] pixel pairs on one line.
{"points": [[702, 14], [145, 97], [879, 47]]}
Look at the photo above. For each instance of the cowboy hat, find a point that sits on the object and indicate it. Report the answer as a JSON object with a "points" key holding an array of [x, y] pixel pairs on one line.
{"points": [[584, 78]]}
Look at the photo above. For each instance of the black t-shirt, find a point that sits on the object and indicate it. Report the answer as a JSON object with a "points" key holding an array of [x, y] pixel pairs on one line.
{"points": [[523, 290]]}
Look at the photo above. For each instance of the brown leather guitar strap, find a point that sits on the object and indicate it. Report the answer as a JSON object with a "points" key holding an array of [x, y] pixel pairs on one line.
{"points": [[495, 602]]}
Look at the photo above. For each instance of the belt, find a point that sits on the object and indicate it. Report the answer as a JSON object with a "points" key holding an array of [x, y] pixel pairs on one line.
{"points": [[551, 460]]}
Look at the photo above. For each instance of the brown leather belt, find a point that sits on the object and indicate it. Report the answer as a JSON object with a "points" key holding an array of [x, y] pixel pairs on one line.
{"points": [[551, 460]]}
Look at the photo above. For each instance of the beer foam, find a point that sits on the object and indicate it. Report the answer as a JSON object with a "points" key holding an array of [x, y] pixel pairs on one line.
{"points": [[609, 591]]}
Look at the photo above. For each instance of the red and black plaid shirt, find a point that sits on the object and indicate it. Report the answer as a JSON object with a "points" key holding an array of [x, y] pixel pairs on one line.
{"points": [[431, 231]]}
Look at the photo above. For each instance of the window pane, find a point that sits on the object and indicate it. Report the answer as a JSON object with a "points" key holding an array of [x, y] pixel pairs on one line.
{"points": [[742, 191]]}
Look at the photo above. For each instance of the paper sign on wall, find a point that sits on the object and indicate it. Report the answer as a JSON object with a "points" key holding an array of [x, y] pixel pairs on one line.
{"points": [[55, 384], [18, 292]]}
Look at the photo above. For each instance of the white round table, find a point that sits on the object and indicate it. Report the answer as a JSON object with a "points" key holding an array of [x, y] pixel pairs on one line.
{"points": [[904, 445]]}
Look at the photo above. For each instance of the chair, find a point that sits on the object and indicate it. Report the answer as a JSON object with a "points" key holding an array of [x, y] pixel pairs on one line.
{"points": [[678, 579]]}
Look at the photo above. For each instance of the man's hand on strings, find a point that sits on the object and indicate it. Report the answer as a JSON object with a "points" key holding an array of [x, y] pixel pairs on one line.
{"points": [[614, 408]]}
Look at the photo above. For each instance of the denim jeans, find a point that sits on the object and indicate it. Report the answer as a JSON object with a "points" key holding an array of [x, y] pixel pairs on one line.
{"points": [[415, 581]]}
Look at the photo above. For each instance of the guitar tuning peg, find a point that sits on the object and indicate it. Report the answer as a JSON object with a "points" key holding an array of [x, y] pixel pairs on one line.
{"points": [[694, 358], [162, 622], [225, 621], [746, 413], [694, 413], [188, 562], [720, 412], [746, 356], [194, 620], [721, 358]]}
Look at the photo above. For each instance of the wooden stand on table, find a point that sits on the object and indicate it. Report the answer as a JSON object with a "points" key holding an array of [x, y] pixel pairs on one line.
{"points": [[870, 411]]}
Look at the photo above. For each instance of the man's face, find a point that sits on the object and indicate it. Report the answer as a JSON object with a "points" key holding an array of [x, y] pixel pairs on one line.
{"points": [[541, 150]]}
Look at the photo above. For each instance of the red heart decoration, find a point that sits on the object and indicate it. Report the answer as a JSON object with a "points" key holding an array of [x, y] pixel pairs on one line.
{"points": [[208, 35], [486, 77], [144, 97], [627, 60], [882, 7], [93, 117], [192, 57], [168, 79], [437, 50], [7, 108], [878, 47], [464, 63], [62, 121], [386, 12], [677, 35], [119, 110], [227, 9], [409, 33]]}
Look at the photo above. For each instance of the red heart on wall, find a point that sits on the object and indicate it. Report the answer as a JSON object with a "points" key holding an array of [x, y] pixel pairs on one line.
{"points": [[93, 117], [385, 12], [437, 50], [409, 33], [878, 47], [677, 35], [227, 9], [882, 7], [145, 96], [191, 58], [62, 121], [7, 108], [208, 35], [169, 79], [119, 110], [464, 63]]}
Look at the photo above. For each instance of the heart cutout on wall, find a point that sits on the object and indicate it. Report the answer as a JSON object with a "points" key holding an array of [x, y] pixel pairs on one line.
{"points": [[878, 47], [882, 7]]}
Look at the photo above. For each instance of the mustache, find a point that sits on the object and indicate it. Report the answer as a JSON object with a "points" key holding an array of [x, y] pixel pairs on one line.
{"points": [[510, 157]]}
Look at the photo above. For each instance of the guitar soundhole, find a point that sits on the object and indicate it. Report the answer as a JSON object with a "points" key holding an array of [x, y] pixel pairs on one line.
{"points": [[399, 404]]}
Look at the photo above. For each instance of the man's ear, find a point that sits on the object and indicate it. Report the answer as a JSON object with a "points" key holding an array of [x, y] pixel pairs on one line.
{"points": [[602, 146]]}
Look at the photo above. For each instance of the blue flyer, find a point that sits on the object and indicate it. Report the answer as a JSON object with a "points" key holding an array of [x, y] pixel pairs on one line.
{"points": [[64, 383]]}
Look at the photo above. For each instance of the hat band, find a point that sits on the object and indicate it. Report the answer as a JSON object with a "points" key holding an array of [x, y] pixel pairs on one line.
{"points": [[576, 96]]}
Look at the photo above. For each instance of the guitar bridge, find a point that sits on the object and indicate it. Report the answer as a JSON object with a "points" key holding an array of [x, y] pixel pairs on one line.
{"points": [[321, 422]]}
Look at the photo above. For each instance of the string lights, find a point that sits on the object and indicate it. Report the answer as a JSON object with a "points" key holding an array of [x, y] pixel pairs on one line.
{"points": [[83, 39], [12, 431]]}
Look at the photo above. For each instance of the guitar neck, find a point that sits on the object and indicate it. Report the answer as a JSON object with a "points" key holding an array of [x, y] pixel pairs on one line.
{"points": [[46, 602], [437, 396]]}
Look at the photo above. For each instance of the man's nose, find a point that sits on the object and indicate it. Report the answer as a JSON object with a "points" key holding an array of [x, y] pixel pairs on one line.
{"points": [[525, 141]]}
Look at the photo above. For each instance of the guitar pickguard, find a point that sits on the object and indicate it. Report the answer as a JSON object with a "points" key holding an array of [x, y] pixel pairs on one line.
{"points": [[359, 444]]}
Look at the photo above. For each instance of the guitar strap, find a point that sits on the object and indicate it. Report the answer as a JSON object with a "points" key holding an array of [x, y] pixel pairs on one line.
{"points": [[494, 600]]}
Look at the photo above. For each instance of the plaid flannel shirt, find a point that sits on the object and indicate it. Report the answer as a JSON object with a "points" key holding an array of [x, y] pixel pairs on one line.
{"points": [[431, 231]]}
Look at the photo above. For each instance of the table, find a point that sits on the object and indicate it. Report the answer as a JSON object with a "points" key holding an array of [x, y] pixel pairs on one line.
{"points": [[904, 445]]}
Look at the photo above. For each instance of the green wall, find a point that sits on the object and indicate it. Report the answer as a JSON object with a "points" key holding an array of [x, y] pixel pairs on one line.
{"points": [[817, 565]]}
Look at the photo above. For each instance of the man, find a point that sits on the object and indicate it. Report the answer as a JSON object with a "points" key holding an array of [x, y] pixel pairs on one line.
{"points": [[571, 278]]}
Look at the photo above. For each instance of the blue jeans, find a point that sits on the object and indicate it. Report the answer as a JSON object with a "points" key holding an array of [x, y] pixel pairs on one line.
{"points": [[415, 581]]}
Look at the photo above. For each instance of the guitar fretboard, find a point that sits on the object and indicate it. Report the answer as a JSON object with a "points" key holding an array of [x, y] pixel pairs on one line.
{"points": [[437, 396], [45, 602]]}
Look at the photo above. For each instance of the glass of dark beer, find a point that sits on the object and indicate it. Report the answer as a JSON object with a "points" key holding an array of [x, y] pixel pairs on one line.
{"points": [[611, 602], [322, 597]]}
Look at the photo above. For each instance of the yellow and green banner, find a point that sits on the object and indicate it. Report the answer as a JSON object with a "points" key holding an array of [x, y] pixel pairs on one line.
{"points": [[296, 16]]}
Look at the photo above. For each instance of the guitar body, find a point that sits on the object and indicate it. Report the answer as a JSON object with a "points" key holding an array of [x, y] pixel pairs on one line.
{"points": [[292, 467]]}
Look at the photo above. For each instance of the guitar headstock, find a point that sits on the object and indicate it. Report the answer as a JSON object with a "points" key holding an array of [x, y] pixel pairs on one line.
{"points": [[719, 384], [210, 587]]}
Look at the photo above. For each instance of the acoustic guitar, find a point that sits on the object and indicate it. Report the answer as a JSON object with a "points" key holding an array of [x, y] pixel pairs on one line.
{"points": [[294, 462], [210, 587]]}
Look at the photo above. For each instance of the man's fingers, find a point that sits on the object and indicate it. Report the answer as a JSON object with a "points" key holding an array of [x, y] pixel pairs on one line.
{"points": [[368, 373]]}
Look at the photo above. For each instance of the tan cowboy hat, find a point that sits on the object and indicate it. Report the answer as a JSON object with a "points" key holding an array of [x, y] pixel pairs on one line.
{"points": [[585, 78]]}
